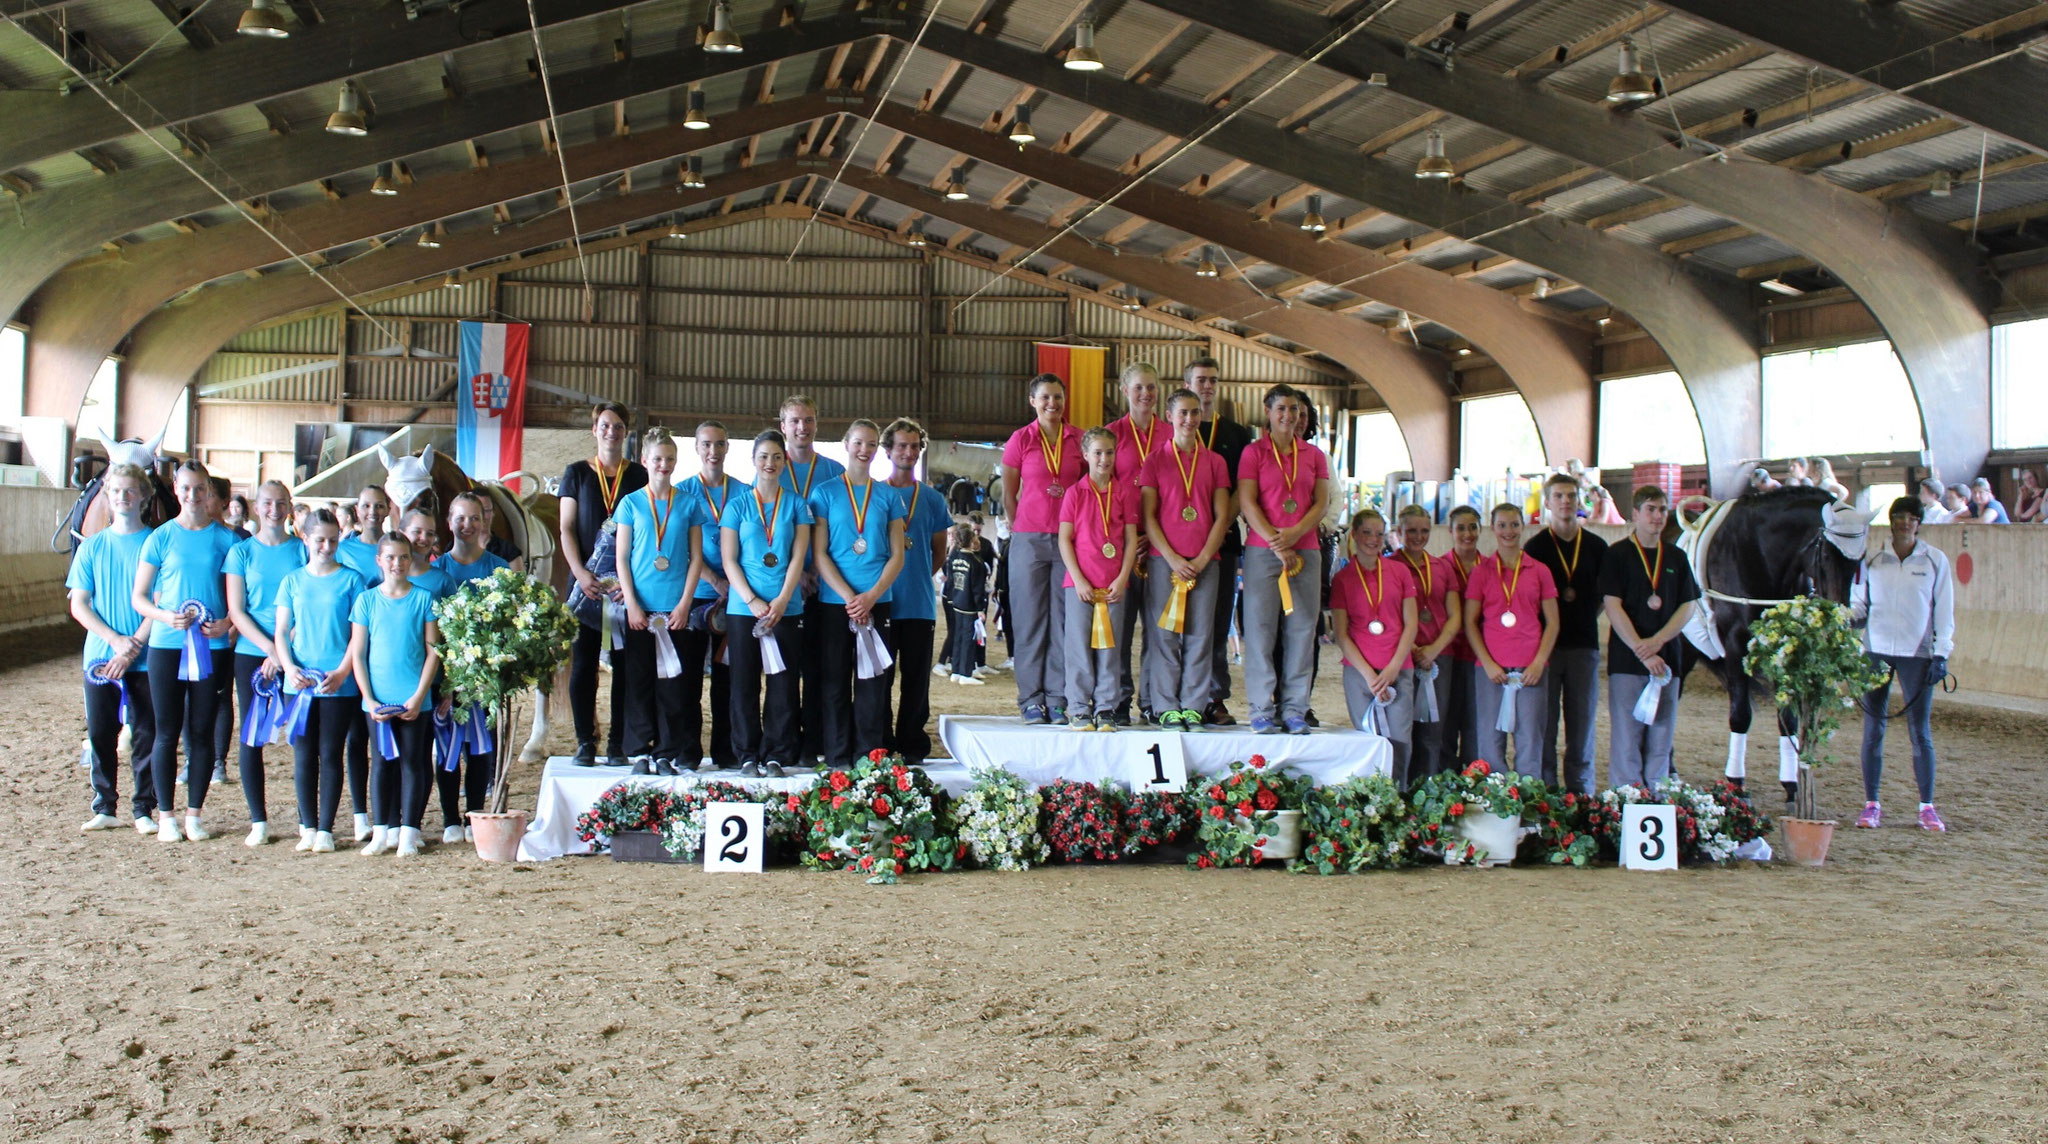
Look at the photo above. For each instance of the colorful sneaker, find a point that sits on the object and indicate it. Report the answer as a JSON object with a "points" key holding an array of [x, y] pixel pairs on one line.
{"points": [[1868, 819], [1081, 721], [1264, 726], [1297, 725], [1930, 819], [1033, 714], [1190, 720], [1171, 721], [1108, 722]]}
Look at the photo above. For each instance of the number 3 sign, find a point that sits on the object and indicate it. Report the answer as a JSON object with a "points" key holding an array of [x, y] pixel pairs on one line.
{"points": [[733, 838], [1649, 838]]}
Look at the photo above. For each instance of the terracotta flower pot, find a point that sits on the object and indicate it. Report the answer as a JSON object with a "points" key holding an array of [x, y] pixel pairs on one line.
{"points": [[497, 835], [1808, 839]]}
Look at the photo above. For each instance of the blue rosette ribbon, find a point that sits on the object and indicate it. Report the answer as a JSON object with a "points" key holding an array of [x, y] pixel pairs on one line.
{"points": [[302, 703], [476, 731], [387, 739], [197, 662], [266, 711], [448, 741], [96, 676]]}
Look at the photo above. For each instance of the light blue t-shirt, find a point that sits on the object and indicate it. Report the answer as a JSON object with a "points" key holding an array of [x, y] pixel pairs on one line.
{"points": [[263, 568], [189, 565], [397, 650], [804, 479], [743, 515], [105, 567], [359, 556], [707, 507], [435, 581], [925, 515], [462, 573], [659, 591], [829, 503], [320, 608]]}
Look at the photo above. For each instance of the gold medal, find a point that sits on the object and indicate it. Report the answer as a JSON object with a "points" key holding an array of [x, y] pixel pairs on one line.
{"points": [[1189, 514], [661, 564], [1109, 550], [1289, 505]]}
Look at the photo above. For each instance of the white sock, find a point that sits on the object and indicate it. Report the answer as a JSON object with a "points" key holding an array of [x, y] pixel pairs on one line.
{"points": [[1738, 755], [1788, 759], [1926, 806]]}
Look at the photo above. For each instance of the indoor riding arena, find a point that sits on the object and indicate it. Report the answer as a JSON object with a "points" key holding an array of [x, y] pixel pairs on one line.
{"points": [[1012, 570]]}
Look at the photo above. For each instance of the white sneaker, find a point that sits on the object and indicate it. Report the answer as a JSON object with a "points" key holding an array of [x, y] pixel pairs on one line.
{"points": [[408, 842], [323, 842], [363, 827], [939, 669], [259, 834], [382, 839], [145, 826], [1007, 664], [167, 830], [968, 681], [305, 839], [983, 672], [451, 835], [100, 822], [468, 834], [194, 831]]}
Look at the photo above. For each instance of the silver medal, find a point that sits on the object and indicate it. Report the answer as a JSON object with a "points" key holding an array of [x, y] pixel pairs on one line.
{"points": [[1507, 619], [1654, 603], [860, 546], [1376, 628], [661, 564]]}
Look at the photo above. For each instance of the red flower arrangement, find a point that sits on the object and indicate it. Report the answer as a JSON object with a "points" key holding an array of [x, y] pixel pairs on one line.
{"points": [[1157, 818], [626, 806], [1235, 812], [1083, 821], [884, 819]]}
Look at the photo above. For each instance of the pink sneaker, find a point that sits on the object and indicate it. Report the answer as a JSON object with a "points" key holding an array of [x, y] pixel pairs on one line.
{"points": [[1930, 820], [1868, 819]]}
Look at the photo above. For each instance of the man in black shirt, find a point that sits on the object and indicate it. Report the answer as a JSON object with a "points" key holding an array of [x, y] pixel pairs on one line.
{"points": [[1648, 590], [966, 599], [1230, 440], [590, 491], [1574, 557]]}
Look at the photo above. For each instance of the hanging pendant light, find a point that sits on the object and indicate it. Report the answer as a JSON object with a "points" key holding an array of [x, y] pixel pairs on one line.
{"points": [[430, 237], [1206, 268], [675, 229], [262, 20], [721, 38], [694, 118], [1312, 219], [1082, 57], [1020, 131], [1131, 302], [1629, 85], [916, 235], [450, 283], [1433, 164], [693, 174], [348, 113], [956, 189], [385, 185]]}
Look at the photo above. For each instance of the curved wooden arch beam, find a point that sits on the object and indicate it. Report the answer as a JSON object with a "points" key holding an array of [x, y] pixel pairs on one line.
{"points": [[1928, 290], [58, 226], [1412, 383], [169, 348], [1547, 358], [82, 314]]}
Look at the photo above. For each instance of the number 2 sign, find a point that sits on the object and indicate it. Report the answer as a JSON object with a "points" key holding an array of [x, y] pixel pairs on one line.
{"points": [[1649, 838], [733, 838]]}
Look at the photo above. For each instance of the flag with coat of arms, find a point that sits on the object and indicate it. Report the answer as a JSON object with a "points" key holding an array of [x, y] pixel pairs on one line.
{"points": [[490, 399]]}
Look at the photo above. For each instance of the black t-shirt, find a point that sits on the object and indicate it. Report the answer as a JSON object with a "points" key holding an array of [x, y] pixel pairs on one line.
{"points": [[1624, 576], [579, 480], [966, 582], [1230, 441], [1578, 611]]}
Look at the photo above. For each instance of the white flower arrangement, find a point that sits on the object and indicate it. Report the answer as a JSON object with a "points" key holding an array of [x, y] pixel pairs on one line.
{"points": [[502, 635], [998, 819]]}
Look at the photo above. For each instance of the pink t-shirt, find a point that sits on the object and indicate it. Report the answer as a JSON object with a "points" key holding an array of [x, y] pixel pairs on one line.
{"points": [[1038, 509], [1366, 595], [1435, 582], [1134, 449], [1264, 463], [1083, 509], [1461, 580], [1511, 647], [1169, 472]]}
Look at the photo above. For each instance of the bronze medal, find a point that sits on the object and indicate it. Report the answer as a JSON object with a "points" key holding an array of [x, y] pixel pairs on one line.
{"points": [[770, 560], [1189, 514], [1289, 505], [1054, 491], [1654, 603], [661, 564], [1570, 593], [1428, 617], [1109, 550]]}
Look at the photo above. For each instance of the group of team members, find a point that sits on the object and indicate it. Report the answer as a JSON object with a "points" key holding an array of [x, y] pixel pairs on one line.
{"points": [[330, 637], [811, 596]]}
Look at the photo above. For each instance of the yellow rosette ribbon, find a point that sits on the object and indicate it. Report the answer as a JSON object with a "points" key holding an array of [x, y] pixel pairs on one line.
{"points": [[1102, 635], [1175, 617], [1289, 565]]}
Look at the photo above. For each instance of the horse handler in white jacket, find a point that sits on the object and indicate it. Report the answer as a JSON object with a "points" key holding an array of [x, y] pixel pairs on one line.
{"points": [[1905, 600]]}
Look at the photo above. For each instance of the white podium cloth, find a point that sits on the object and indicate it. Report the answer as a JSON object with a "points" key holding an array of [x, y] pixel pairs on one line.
{"points": [[1041, 754], [567, 790]]}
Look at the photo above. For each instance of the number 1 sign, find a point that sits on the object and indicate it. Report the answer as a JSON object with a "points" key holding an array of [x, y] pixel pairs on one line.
{"points": [[733, 837], [1649, 837], [1155, 764]]}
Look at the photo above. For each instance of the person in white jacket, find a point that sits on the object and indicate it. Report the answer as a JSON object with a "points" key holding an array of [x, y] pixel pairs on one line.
{"points": [[1905, 601]]}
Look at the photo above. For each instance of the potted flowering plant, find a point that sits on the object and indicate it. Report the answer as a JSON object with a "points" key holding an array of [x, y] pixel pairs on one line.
{"points": [[625, 816], [501, 637], [1083, 821], [682, 836], [1248, 815], [1474, 816], [1156, 819], [1805, 651], [998, 819], [1359, 824], [1564, 836], [884, 818], [1712, 824]]}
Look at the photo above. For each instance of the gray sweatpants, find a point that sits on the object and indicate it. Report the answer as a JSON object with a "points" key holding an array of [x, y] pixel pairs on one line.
{"points": [[1435, 744], [1638, 754], [1036, 618], [1091, 675], [1472, 737], [1400, 715], [1127, 630], [1529, 707], [1571, 684], [1176, 664], [1276, 691]]}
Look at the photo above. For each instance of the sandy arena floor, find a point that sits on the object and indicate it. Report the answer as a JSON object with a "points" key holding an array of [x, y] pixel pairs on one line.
{"points": [[206, 991]]}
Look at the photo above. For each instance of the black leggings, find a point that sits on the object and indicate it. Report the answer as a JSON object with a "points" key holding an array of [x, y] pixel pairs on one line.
{"points": [[316, 759], [251, 759], [357, 754], [764, 726], [179, 704], [463, 789], [103, 728], [398, 787]]}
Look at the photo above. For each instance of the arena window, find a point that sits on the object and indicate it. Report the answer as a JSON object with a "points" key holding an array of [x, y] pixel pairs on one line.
{"points": [[13, 373], [1497, 433], [1377, 447], [1648, 418], [2019, 399], [97, 417], [1844, 399]]}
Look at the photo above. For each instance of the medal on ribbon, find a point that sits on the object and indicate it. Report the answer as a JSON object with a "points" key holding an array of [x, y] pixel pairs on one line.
{"points": [[860, 515], [1372, 601], [661, 520]]}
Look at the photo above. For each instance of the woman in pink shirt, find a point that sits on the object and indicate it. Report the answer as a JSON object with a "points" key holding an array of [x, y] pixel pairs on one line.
{"points": [[1373, 608], [1099, 545], [1140, 434], [1040, 461], [1511, 625], [1283, 491], [1186, 491], [1433, 745]]}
